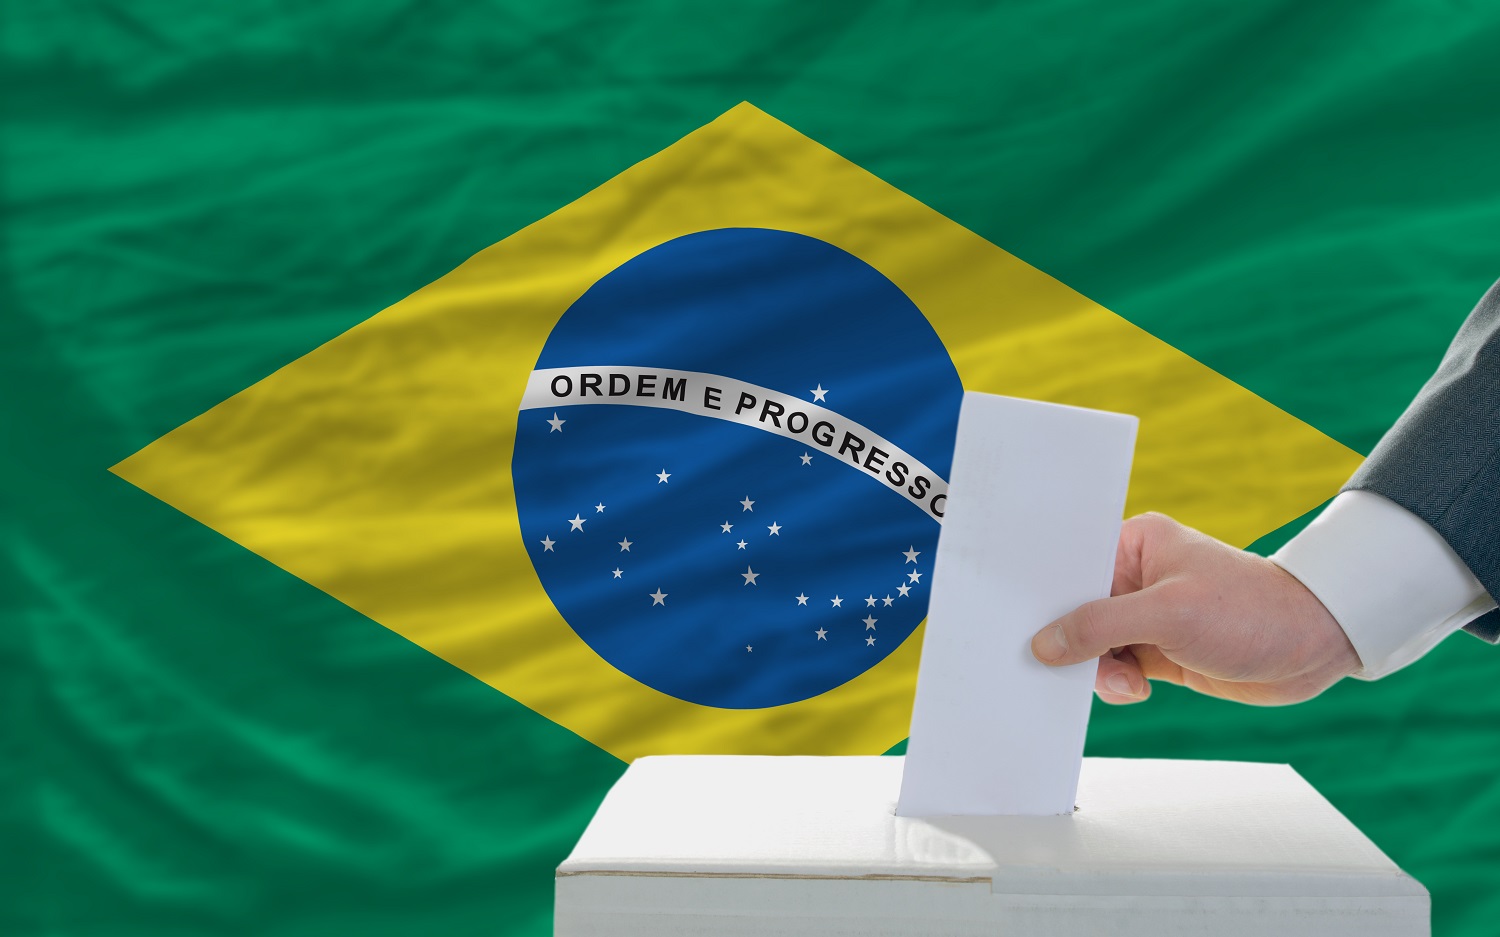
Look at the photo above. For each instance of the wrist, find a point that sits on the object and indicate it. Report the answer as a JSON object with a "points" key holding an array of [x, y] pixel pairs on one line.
{"points": [[1327, 655]]}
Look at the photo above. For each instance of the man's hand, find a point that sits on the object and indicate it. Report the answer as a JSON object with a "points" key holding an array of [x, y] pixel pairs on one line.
{"points": [[1186, 608]]}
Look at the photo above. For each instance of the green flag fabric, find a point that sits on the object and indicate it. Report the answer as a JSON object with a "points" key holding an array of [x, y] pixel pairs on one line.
{"points": [[1301, 197]]}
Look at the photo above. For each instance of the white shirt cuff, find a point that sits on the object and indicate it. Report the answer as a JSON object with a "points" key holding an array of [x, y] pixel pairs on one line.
{"points": [[1389, 579]]}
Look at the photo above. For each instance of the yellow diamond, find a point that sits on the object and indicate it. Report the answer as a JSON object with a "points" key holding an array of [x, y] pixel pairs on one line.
{"points": [[377, 466]]}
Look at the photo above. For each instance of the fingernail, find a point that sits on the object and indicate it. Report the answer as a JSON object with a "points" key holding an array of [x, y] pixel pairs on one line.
{"points": [[1051, 644], [1119, 684]]}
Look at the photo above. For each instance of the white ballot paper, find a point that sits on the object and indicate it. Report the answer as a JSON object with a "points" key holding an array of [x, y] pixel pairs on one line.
{"points": [[1035, 501]]}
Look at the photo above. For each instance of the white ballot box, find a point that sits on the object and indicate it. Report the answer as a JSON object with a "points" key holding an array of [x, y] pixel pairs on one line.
{"points": [[755, 845], [984, 834]]}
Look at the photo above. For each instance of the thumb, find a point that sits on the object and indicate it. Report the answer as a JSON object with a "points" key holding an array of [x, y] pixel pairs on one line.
{"points": [[1094, 628]]}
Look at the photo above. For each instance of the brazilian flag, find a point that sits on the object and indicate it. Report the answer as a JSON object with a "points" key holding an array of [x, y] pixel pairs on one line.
{"points": [[414, 412]]}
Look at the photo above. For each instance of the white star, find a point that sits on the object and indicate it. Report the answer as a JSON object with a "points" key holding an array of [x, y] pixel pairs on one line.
{"points": [[888, 600], [747, 504], [617, 571], [741, 544], [775, 529], [749, 648], [750, 576], [869, 621], [658, 597], [837, 601], [547, 543], [662, 476], [911, 554], [726, 527], [914, 576], [599, 508], [870, 600], [625, 545], [577, 522], [801, 599], [869, 639], [818, 393], [806, 459], [556, 423], [903, 588], [822, 634]]}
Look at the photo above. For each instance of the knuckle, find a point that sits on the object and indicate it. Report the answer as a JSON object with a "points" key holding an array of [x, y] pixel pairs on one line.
{"points": [[1177, 601], [1149, 533], [1154, 522], [1179, 605], [1091, 627]]}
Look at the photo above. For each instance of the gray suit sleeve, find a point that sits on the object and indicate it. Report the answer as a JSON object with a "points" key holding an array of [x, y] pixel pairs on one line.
{"points": [[1441, 461]]}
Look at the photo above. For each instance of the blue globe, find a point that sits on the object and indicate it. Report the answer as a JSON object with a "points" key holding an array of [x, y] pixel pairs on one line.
{"points": [[717, 562]]}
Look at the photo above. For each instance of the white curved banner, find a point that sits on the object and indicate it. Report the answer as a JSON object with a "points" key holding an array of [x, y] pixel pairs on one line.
{"points": [[724, 398]]}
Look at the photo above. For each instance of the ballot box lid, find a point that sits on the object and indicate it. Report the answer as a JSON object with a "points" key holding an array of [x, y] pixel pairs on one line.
{"points": [[1142, 827]]}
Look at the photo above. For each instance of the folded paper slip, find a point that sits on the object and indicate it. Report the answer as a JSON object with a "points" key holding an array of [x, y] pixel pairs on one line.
{"points": [[747, 845], [1037, 492]]}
